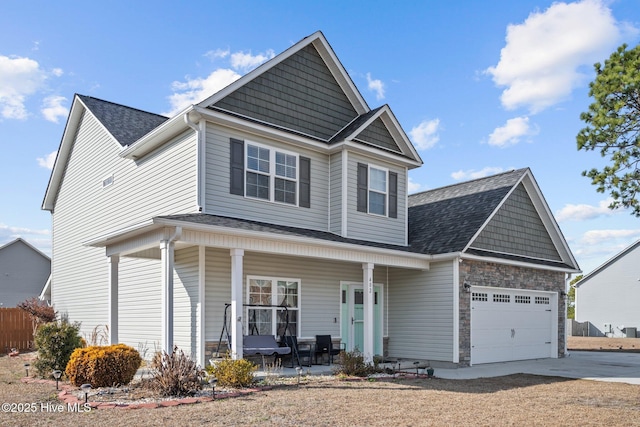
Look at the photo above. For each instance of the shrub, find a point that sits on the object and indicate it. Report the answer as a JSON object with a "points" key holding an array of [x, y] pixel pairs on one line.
{"points": [[351, 363], [55, 341], [176, 374], [39, 312], [103, 366], [233, 372]]}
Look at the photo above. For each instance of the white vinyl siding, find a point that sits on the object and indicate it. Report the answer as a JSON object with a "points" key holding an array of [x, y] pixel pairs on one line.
{"points": [[320, 288], [140, 314], [420, 313], [220, 202], [611, 297], [335, 194], [185, 303], [376, 228], [161, 183]]}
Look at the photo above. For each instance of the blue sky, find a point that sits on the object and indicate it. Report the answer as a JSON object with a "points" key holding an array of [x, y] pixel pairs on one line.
{"points": [[480, 87]]}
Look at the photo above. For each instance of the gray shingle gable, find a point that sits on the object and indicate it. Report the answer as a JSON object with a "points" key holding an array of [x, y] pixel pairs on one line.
{"points": [[126, 124], [444, 220]]}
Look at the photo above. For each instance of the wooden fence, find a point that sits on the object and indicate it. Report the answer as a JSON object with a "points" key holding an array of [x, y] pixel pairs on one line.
{"points": [[16, 329]]}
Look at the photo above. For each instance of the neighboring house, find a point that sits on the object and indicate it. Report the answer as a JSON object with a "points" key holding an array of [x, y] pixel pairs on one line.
{"points": [[286, 188], [24, 270], [609, 297]]}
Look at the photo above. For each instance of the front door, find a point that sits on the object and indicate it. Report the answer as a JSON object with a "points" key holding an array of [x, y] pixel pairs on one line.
{"points": [[352, 311]]}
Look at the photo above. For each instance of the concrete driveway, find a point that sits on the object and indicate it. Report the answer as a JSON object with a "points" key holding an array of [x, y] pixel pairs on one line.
{"points": [[589, 365]]}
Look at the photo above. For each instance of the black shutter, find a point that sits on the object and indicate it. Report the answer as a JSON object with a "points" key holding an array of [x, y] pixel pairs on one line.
{"points": [[305, 182], [393, 195], [363, 171], [237, 167]]}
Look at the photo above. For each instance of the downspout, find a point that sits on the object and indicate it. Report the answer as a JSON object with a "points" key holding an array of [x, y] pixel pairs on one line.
{"points": [[199, 158]]}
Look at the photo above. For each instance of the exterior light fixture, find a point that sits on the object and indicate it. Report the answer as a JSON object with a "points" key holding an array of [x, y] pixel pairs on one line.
{"points": [[466, 286], [212, 383], [85, 389], [57, 374], [26, 367], [299, 371]]}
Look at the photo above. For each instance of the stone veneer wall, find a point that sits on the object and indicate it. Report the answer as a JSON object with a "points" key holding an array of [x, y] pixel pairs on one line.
{"points": [[506, 276]]}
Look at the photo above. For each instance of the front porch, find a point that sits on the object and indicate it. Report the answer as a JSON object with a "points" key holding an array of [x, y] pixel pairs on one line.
{"points": [[202, 267]]}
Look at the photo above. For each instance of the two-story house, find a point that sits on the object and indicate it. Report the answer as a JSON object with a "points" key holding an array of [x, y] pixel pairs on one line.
{"points": [[286, 189]]}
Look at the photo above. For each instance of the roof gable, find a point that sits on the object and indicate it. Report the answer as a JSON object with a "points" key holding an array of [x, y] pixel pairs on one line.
{"points": [[14, 244], [502, 216], [299, 93], [517, 228], [629, 251]]}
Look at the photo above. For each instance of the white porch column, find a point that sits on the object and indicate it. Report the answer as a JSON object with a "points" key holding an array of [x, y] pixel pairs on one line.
{"points": [[202, 267], [236, 302], [367, 280], [113, 299], [167, 260]]}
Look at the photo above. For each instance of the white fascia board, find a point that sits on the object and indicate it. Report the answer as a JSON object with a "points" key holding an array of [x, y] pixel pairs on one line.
{"points": [[157, 137], [66, 143], [186, 225], [121, 234], [548, 219], [376, 153]]}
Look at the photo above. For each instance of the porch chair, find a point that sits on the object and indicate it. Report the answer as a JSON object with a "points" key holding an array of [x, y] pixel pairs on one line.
{"points": [[299, 352], [324, 344]]}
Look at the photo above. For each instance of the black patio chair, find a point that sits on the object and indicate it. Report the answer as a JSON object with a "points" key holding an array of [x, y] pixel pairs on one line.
{"points": [[299, 351], [324, 345]]}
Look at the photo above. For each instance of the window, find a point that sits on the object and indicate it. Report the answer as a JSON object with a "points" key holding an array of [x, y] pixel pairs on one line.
{"points": [[377, 191], [266, 173], [273, 294], [267, 169]]}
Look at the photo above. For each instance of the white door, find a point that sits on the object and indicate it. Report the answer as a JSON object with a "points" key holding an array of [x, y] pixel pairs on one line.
{"points": [[509, 324]]}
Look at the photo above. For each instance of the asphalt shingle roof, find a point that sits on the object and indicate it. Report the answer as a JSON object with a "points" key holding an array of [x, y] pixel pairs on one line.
{"points": [[445, 219], [440, 221], [126, 124]]}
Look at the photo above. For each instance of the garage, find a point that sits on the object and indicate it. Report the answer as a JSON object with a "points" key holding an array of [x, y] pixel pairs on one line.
{"points": [[510, 324]]}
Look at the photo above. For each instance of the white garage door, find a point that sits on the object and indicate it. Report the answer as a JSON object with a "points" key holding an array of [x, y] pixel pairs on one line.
{"points": [[509, 324]]}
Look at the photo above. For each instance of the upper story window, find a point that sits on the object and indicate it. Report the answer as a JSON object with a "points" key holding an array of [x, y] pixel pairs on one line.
{"points": [[263, 172], [271, 174], [377, 191]]}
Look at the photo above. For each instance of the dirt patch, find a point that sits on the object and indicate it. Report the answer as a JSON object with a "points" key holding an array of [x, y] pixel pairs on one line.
{"points": [[509, 400], [630, 345]]}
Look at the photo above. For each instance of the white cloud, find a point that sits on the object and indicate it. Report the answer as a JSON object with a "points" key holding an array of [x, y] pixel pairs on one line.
{"points": [[541, 61], [57, 72], [425, 135], [582, 212], [376, 86], [596, 237], [52, 108], [48, 160], [246, 61], [511, 133], [195, 90], [413, 187], [19, 78], [475, 174], [218, 53]]}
